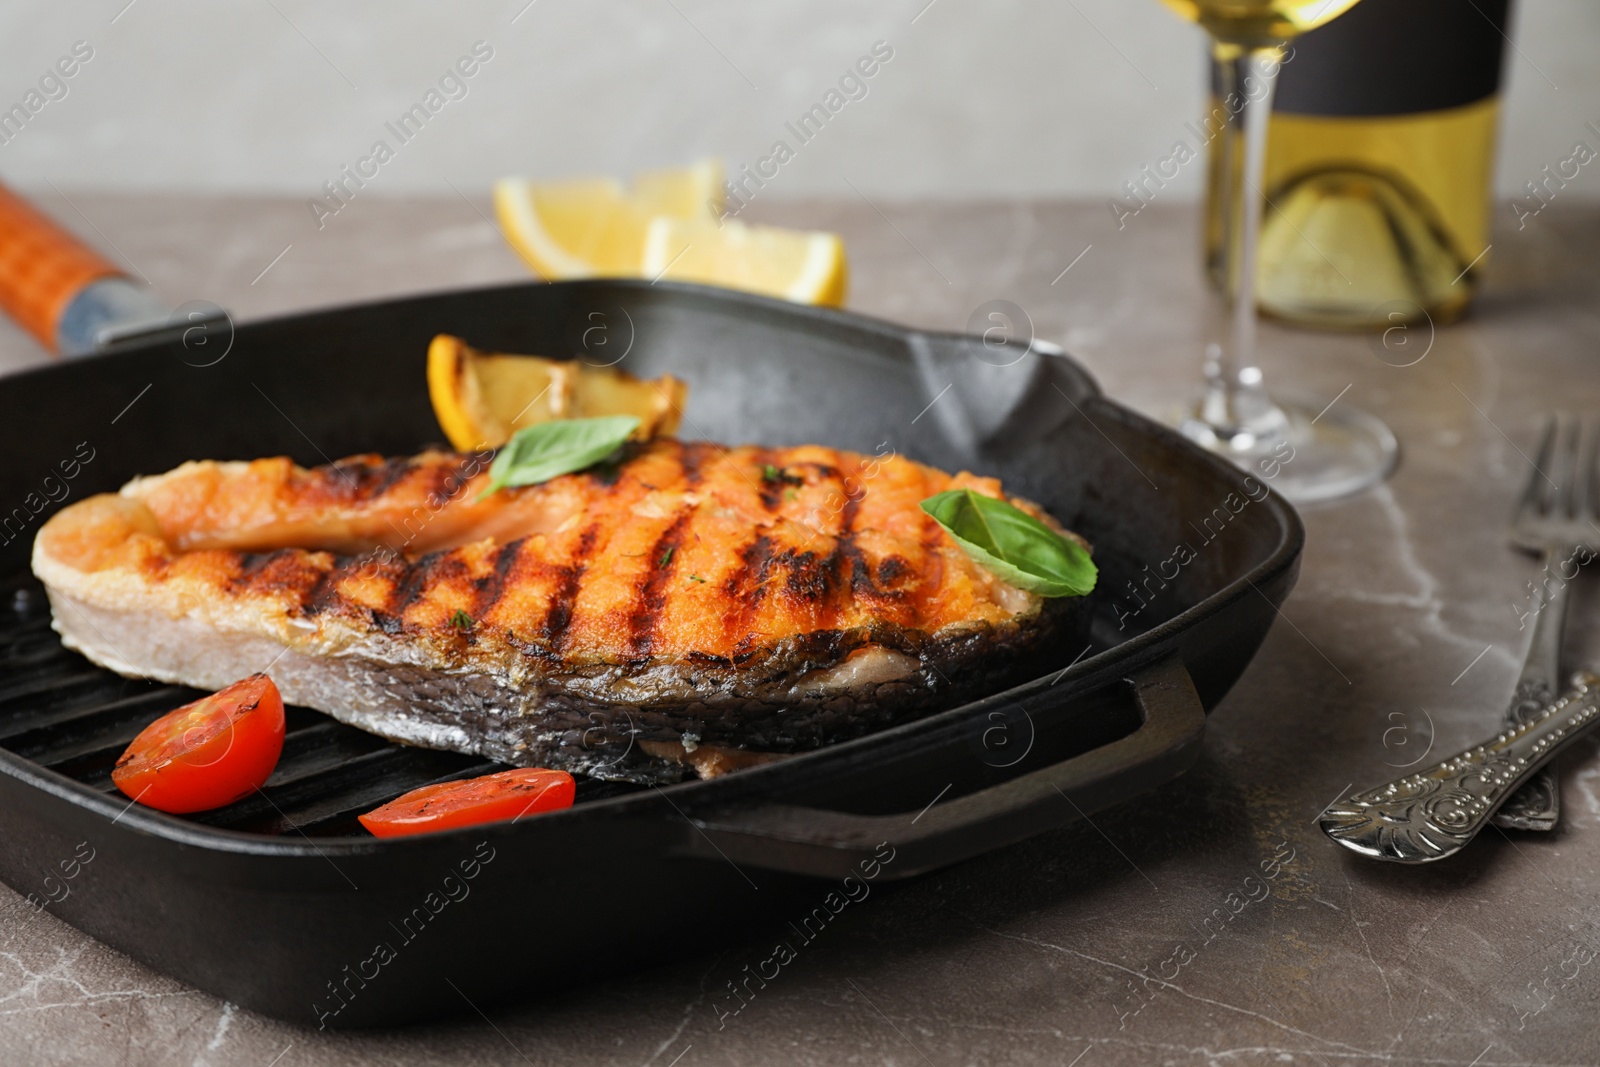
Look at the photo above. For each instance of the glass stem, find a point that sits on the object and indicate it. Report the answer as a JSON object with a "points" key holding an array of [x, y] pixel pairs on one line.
{"points": [[1235, 398]]}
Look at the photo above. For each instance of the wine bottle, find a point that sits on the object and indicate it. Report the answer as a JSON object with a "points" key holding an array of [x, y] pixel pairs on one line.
{"points": [[1379, 166]]}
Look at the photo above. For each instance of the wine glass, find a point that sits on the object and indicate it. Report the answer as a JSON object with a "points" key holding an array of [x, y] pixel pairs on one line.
{"points": [[1312, 451]]}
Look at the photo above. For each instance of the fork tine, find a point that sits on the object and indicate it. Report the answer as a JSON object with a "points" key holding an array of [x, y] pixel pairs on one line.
{"points": [[1531, 501], [1565, 467], [1589, 479]]}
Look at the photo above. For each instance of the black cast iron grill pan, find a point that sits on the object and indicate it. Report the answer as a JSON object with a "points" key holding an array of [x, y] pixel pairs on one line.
{"points": [[281, 904]]}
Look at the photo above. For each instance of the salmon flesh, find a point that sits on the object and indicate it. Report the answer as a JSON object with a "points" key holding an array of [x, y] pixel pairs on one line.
{"points": [[686, 607]]}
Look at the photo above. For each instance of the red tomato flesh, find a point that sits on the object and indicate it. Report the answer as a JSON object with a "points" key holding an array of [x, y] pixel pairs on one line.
{"points": [[492, 798], [208, 753]]}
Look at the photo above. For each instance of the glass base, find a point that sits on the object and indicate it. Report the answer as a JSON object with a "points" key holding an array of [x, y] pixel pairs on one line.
{"points": [[1307, 451]]}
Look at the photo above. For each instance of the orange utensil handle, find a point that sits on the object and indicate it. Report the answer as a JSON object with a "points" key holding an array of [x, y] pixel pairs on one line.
{"points": [[42, 267]]}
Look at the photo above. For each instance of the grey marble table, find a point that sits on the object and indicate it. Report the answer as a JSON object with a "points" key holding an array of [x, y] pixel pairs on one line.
{"points": [[1404, 631]]}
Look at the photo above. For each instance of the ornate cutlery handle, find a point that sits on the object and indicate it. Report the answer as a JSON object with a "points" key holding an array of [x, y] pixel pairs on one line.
{"points": [[1537, 805], [1434, 813]]}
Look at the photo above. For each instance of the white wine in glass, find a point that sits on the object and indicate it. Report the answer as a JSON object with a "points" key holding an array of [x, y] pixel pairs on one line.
{"points": [[1259, 23], [1315, 453]]}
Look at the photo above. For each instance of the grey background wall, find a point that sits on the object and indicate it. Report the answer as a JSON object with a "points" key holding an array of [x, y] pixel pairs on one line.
{"points": [[1002, 97]]}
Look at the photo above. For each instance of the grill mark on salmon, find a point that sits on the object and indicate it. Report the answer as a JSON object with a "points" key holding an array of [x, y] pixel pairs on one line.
{"points": [[861, 583], [839, 572], [282, 571], [694, 457], [653, 591], [352, 480], [559, 617], [770, 490], [324, 595], [410, 588], [807, 577], [470, 466], [444, 482], [492, 586], [609, 471], [388, 475], [890, 571], [930, 561], [251, 564], [748, 585]]}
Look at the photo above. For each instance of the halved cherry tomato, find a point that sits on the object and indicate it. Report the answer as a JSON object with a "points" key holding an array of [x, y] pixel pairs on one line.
{"points": [[208, 753], [492, 798]]}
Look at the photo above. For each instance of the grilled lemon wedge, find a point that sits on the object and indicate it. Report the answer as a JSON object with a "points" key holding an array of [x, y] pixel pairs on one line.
{"points": [[482, 398]]}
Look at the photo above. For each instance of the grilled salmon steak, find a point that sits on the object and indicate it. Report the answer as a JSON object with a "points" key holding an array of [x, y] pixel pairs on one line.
{"points": [[687, 606]]}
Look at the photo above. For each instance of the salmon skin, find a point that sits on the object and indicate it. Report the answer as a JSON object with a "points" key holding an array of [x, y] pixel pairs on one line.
{"points": [[687, 607]]}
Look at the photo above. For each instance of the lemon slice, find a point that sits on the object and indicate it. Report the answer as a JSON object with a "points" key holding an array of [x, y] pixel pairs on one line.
{"points": [[683, 193], [807, 267], [596, 227], [665, 226], [481, 398]]}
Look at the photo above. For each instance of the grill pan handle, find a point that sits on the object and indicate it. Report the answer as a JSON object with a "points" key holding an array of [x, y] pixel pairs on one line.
{"points": [[42, 268], [803, 840], [75, 301]]}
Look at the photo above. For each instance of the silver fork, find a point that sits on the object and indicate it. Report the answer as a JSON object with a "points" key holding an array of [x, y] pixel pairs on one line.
{"points": [[1555, 518], [1434, 813]]}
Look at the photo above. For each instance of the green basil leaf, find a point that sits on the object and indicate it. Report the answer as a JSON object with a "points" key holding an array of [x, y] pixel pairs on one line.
{"points": [[1013, 545], [549, 449]]}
